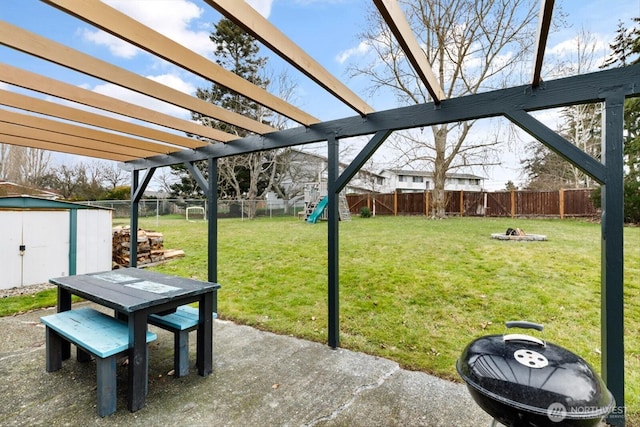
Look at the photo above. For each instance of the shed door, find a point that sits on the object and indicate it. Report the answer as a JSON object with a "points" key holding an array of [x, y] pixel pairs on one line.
{"points": [[45, 235], [10, 241]]}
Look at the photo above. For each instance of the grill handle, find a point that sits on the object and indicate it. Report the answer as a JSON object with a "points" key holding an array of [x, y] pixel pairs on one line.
{"points": [[524, 325]]}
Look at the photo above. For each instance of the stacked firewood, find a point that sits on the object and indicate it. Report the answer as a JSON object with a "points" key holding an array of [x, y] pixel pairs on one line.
{"points": [[150, 248]]}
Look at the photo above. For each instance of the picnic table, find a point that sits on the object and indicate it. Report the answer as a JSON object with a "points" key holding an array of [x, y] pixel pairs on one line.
{"points": [[136, 294]]}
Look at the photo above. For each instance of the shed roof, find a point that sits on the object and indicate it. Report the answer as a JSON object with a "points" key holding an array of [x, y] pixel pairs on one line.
{"points": [[29, 202]]}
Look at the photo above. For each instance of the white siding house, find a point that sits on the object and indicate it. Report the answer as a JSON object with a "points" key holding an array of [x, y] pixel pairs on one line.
{"points": [[411, 181]]}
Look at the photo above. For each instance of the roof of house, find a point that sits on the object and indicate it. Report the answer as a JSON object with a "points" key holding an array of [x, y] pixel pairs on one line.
{"points": [[408, 172]]}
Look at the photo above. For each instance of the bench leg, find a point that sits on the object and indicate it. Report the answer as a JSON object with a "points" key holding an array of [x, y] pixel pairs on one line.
{"points": [[106, 385], [82, 356], [181, 353], [53, 350]]}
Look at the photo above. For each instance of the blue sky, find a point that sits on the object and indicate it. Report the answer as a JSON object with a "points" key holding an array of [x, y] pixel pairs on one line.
{"points": [[326, 29]]}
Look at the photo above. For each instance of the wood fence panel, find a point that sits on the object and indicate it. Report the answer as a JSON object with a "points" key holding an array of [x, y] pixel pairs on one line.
{"points": [[357, 202], [498, 204], [383, 204], [579, 203], [452, 202], [473, 203], [537, 203]]}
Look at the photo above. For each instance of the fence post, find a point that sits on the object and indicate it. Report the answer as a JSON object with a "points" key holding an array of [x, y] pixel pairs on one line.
{"points": [[513, 204], [426, 203], [395, 203], [461, 203], [561, 202]]}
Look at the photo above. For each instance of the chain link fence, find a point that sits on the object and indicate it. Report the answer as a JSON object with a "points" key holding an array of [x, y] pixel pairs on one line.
{"points": [[244, 209]]}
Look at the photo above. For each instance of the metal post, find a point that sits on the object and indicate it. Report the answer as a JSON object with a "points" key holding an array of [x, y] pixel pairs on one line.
{"points": [[333, 247], [212, 227], [133, 220], [612, 269]]}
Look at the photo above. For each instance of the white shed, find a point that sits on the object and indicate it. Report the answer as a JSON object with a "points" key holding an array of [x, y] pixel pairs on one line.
{"points": [[41, 239]]}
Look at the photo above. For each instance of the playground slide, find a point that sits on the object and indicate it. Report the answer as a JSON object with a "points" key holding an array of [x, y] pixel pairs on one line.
{"points": [[313, 218]]}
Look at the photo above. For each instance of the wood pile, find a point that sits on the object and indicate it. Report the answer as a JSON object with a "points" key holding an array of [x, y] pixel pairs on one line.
{"points": [[150, 248]]}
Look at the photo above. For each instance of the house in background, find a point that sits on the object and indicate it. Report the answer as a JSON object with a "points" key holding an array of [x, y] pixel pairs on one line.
{"points": [[413, 181]]}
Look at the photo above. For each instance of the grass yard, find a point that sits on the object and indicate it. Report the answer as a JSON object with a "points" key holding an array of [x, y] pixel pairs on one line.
{"points": [[412, 289], [416, 290]]}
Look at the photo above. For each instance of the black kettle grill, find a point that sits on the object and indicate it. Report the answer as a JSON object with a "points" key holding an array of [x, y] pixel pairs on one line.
{"points": [[523, 381]]}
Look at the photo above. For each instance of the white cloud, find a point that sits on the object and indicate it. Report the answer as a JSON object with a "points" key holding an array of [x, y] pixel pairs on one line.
{"points": [[174, 20], [358, 51], [263, 7], [136, 98], [116, 46]]}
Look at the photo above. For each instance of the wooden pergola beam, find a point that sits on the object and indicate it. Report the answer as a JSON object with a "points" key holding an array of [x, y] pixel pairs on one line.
{"points": [[39, 83], [41, 47], [544, 23], [122, 26], [135, 147], [397, 22], [255, 24], [35, 105], [50, 144]]}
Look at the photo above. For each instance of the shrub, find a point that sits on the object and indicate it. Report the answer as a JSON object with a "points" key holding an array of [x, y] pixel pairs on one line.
{"points": [[365, 212]]}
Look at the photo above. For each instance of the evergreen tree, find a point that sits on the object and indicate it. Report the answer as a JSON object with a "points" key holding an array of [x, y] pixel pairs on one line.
{"points": [[244, 176], [625, 50]]}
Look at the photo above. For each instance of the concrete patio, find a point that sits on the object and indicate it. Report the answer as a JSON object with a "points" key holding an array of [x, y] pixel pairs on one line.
{"points": [[259, 379]]}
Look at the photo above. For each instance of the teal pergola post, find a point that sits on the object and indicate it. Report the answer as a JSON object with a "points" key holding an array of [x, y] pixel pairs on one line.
{"points": [[212, 217], [612, 247], [137, 190], [333, 247]]}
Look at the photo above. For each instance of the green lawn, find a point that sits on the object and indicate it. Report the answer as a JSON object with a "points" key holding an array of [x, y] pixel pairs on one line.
{"points": [[416, 290], [412, 289]]}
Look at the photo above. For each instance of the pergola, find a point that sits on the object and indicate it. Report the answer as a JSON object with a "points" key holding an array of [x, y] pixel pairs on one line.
{"points": [[143, 148]]}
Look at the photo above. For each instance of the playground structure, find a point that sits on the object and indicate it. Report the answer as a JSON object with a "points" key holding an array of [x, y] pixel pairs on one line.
{"points": [[316, 200]]}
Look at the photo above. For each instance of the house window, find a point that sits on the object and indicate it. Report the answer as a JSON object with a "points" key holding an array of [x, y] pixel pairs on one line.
{"points": [[417, 179], [401, 178]]}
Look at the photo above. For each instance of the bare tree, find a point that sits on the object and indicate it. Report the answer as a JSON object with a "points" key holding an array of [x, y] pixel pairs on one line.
{"points": [[472, 46], [113, 175], [23, 165], [4, 161]]}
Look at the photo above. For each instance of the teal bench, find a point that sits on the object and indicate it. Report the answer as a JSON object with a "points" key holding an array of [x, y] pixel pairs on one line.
{"points": [[95, 333], [181, 322]]}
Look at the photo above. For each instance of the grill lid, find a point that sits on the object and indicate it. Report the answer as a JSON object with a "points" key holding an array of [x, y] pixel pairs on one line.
{"points": [[529, 374]]}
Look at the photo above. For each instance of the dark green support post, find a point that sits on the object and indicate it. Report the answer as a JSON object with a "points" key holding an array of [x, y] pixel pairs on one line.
{"points": [[133, 220], [333, 246], [212, 217], [612, 247], [73, 241]]}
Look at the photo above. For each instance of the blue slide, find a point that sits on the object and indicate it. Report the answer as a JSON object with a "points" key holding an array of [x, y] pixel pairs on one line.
{"points": [[313, 218]]}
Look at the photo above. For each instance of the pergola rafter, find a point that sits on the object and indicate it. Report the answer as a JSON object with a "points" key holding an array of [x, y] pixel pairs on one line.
{"points": [[253, 23], [120, 25]]}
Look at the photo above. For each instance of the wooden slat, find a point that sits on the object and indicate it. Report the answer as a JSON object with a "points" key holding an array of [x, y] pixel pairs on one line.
{"points": [[63, 146], [544, 23], [397, 22], [39, 83], [40, 106], [256, 25], [144, 148], [66, 139], [122, 26], [41, 47]]}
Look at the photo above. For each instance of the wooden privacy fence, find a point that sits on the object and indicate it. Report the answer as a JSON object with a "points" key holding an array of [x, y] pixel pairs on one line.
{"points": [[562, 203]]}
